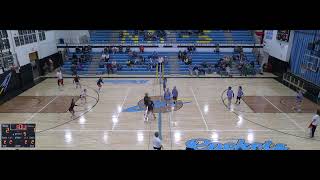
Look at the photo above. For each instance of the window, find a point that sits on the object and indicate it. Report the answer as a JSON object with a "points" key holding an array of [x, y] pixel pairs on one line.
{"points": [[16, 40], [25, 37], [42, 35], [21, 40], [34, 37]]}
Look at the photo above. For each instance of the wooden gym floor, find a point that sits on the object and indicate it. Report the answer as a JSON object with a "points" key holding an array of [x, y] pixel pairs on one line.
{"points": [[111, 119]]}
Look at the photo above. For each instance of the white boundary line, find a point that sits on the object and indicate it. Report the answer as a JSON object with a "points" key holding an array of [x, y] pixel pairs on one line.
{"points": [[121, 106], [34, 114], [199, 108], [293, 121], [187, 130]]}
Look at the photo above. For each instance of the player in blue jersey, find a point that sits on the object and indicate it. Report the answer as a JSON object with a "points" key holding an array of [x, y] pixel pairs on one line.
{"points": [[230, 95], [239, 95]]}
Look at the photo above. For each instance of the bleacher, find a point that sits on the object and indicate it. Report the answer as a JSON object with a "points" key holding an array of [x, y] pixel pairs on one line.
{"points": [[217, 37], [208, 37], [121, 59]]}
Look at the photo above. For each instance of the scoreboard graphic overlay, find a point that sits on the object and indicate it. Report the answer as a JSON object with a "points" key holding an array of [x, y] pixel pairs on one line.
{"points": [[18, 135]]}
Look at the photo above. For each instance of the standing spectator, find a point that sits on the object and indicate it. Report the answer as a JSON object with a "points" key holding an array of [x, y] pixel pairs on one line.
{"points": [[174, 94], [157, 144], [167, 97], [76, 80], [230, 95], [164, 83], [141, 49], [180, 55], [60, 77], [314, 123], [50, 65]]}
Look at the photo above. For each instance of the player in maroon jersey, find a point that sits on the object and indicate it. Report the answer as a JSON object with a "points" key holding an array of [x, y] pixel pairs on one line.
{"points": [[71, 108]]}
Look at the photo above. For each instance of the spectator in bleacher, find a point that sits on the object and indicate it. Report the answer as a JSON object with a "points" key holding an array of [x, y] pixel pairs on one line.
{"points": [[155, 55], [106, 50], [120, 49], [228, 70], [204, 64], [127, 49], [190, 68], [130, 63], [217, 50], [74, 69], [74, 56], [103, 57], [78, 50], [121, 34], [180, 55], [114, 50], [196, 70], [134, 54], [141, 48], [109, 68], [202, 71]]}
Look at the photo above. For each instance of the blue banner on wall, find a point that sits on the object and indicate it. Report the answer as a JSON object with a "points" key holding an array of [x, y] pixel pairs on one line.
{"points": [[269, 34]]}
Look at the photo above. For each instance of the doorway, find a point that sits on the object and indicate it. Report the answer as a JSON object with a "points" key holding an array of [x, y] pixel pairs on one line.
{"points": [[34, 60]]}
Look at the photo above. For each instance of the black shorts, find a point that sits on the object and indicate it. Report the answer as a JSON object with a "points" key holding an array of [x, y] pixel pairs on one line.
{"points": [[157, 148], [238, 98], [174, 98]]}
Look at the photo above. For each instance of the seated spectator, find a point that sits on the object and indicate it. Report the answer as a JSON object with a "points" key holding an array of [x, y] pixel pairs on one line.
{"points": [[106, 50], [130, 63], [252, 64], [107, 58], [121, 34], [109, 68], [210, 69], [120, 49], [196, 70], [217, 50], [127, 49], [204, 64], [78, 50], [141, 48], [114, 50], [74, 56], [103, 57], [134, 54], [180, 55], [190, 68], [155, 55], [202, 71], [114, 64]]}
